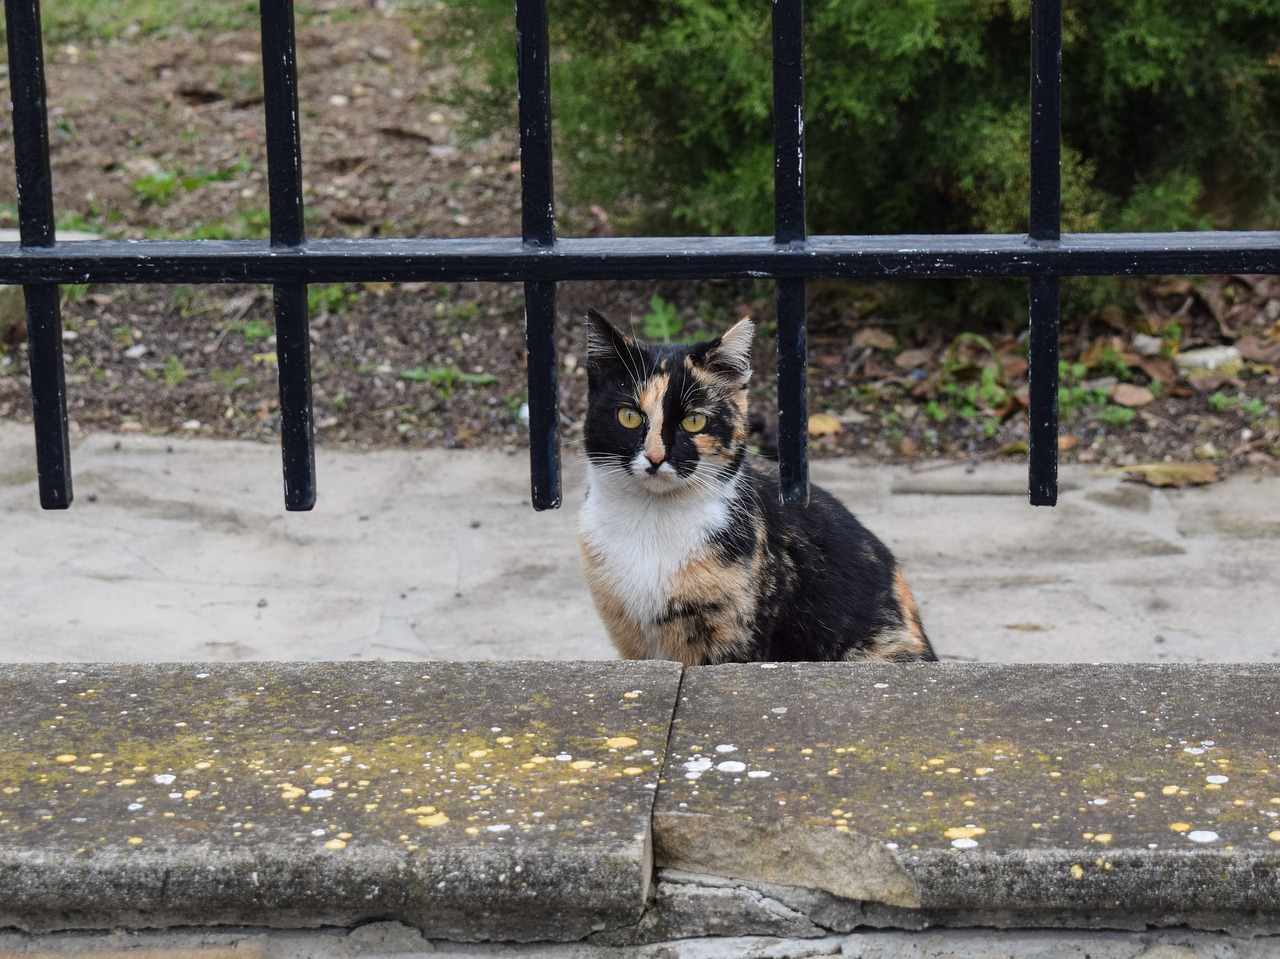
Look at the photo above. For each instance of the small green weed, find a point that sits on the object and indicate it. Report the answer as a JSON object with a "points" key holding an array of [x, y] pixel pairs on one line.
{"points": [[329, 298], [661, 321], [446, 379], [253, 331], [156, 188], [1116, 416]]}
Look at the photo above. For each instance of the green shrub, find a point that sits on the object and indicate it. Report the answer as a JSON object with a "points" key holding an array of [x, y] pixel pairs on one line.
{"points": [[916, 118]]}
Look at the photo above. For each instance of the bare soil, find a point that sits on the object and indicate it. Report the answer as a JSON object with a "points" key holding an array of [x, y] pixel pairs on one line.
{"points": [[163, 137]]}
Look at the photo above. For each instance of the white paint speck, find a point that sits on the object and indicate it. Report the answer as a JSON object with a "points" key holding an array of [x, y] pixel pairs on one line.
{"points": [[1216, 779], [498, 827], [133, 806], [696, 767], [317, 832], [1193, 750], [891, 845], [564, 757], [1202, 835], [759, 774], [1098, 802], [731, 766], [780, 710], [882, 686], [762, 666], [964, 843], [165, 778], [175, 795], [320, 794], [726, 748]]}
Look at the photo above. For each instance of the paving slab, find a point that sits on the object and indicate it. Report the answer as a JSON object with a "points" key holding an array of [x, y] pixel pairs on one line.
{"points": [[469, 800], [180, 549], [1079, 795]]}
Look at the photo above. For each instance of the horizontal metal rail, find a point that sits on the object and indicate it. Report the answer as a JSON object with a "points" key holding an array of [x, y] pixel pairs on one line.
{"points": [[492, 260]]}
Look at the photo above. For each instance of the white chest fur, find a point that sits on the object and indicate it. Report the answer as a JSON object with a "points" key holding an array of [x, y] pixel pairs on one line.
{"points": [[642, 540]]}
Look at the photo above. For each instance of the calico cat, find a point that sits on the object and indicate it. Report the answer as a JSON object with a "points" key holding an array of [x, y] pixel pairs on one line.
{"points": [[685, 548]]}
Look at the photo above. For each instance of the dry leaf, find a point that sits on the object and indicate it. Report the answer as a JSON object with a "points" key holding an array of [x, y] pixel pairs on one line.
{"points": [[1126, 394], [1257, 350], [912, 359], [874, 338], [1168, 474], [824, 424], [1067, 442]]}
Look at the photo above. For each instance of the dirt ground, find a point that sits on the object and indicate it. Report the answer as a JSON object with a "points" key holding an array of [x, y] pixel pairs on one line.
{"points": [[163, 137]]}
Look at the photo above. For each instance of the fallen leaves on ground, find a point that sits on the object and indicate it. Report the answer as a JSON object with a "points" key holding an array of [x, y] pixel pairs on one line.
{"points": [[1179, 475]]}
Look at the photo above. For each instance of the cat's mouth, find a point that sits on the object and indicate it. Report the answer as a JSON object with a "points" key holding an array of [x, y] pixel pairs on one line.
{"points": [[662, 478]]}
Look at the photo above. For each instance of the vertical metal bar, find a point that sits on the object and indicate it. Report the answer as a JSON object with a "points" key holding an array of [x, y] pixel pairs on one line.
{"points": [[790, 228], [36, 229], [1043, 412], [1046, 224], [538, 229], [284, 182]]}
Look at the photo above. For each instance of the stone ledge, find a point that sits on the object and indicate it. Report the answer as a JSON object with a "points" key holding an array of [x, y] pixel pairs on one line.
{"points": [[472, 800], [1012, 795], [527, 802]]}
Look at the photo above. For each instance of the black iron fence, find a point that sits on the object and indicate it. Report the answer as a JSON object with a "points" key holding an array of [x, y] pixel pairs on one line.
{"points": [[289, 261]]}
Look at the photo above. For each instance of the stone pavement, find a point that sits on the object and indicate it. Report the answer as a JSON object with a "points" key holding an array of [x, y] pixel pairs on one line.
{"points": [[181, 550]]}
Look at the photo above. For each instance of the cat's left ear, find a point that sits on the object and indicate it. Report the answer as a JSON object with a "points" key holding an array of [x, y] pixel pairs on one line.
{"points": [[730, 354]]}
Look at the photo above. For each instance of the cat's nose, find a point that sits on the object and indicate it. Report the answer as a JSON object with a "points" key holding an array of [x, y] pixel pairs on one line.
{"points": [[656, 459]]}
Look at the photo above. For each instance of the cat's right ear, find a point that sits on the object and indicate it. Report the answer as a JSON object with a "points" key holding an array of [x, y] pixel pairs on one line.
{"points": [[605, 345]]}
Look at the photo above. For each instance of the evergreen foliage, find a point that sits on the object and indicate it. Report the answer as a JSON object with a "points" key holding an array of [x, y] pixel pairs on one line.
{"points": [[917, 111]]}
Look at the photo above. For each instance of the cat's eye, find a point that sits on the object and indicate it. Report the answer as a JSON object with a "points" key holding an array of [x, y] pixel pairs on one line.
{"points": [[630, 418], [694, 422]]}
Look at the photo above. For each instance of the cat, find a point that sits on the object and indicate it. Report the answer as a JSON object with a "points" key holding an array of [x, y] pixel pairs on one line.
{"points": [[685, 548]]}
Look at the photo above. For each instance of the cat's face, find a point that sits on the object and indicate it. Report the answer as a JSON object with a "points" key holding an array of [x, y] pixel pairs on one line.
{"points": [[666, 418]]}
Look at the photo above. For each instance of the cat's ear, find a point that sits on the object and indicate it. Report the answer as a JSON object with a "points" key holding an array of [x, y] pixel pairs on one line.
{"points": [[730, 354], [605, 345]]}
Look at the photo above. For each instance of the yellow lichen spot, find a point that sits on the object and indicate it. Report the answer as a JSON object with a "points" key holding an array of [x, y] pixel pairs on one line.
{"points": [[842, 828], [837, 812], [953, 770], [472, 831], [1139, 795], [634, 694], [191, 794], [10, 790], [344, 835], [478, 753], [126, 782], [82, 769], [462, 766], [538, 760], [180, 725], [806, 751], [633, 770], [338, 750], [1179, 826], [833, 772], [1055, 775], [970, 802], [964, 832], [435, 819], [1102, 837], [66, 758], [1212, 786], [934, 762], [582, 764], [927, 793], [620, 742], [336, 844], [323, 780], [1274, 836], [203, 764], [135, 840], [291, 792], [983, 771], [1077, 871], [1087, 835], [503, 740], [1170, 790]]}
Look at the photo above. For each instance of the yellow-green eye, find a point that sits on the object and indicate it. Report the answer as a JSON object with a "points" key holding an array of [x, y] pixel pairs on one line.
{"points": [[694, 422], [630, 418]]}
